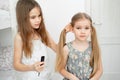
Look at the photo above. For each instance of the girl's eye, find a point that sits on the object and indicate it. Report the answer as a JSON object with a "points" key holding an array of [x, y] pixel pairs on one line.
{"points": [[78, 28], [39, 16], [87, 28], [32, 17]]}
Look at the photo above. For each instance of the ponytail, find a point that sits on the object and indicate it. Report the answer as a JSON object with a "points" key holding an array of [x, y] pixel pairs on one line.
{"points": [[60, 57], [95, 52]]}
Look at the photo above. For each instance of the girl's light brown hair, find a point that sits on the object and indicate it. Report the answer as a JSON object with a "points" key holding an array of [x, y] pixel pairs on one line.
{"points": [[94, 59], [23, 9]]}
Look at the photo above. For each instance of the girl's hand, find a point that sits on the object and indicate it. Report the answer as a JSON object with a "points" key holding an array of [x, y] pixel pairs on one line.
{"points": [[68, 27], [74, 78], [38, 66], [92, 79]]}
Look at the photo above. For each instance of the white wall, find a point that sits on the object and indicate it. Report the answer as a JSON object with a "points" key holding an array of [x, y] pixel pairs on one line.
{"points": [[110, 39], [5, 37], [106, 16], [5, 25]]}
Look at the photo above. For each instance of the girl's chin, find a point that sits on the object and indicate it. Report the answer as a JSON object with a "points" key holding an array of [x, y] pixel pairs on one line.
{"points": [[36, 27], [82, 39]]}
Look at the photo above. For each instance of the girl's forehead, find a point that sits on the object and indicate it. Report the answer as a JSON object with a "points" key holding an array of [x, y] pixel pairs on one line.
{"points": [[34, 10], [83, 21]]}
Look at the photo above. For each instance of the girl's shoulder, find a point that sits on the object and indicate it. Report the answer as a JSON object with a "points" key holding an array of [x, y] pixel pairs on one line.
{"points": [[69, 43], [18, 40], [90, 44], [66, 49], [17, 36], [68, 46]]}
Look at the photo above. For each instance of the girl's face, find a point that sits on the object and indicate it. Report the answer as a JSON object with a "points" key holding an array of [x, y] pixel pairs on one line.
{"points": [[35, 18], [82, 29]]}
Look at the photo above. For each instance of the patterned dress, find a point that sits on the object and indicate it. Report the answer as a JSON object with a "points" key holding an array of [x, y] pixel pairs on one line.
{"points": [[78, 62]]}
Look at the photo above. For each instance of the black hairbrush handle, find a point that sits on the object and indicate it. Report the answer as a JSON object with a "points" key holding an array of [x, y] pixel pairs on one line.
{"points": [[42, 60]]}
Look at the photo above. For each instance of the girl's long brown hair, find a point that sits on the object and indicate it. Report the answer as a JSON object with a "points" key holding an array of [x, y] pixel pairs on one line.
{"points": [[94, 59], [60, 57], [23, 9]]}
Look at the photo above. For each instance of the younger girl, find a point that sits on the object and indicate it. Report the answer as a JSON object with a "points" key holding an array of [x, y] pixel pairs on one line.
{"points": [[80, 59], [31, 42]]}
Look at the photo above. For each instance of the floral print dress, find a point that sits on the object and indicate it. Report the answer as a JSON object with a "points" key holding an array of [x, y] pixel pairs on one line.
{"points": [[78, 62]]}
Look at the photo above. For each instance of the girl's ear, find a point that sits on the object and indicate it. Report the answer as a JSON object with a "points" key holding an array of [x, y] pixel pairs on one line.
{"points": [[72, 30], [91, 29]]}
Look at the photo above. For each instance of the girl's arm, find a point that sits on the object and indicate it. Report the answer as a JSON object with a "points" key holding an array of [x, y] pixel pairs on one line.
{"points": [[99, 71], [63, 71], [52, 43], [18, 52]]}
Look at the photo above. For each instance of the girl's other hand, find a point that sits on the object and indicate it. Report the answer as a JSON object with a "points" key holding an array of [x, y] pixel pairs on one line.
{"points": [[68, 27]]}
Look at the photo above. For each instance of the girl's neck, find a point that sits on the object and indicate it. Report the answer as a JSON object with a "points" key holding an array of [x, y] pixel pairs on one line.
{"points": [[80, 45], [80, 42], [35, 36]]}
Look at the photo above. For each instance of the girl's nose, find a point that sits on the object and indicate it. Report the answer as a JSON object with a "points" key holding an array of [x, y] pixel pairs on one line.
{"points": [[82, 30], [38, 19]]}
